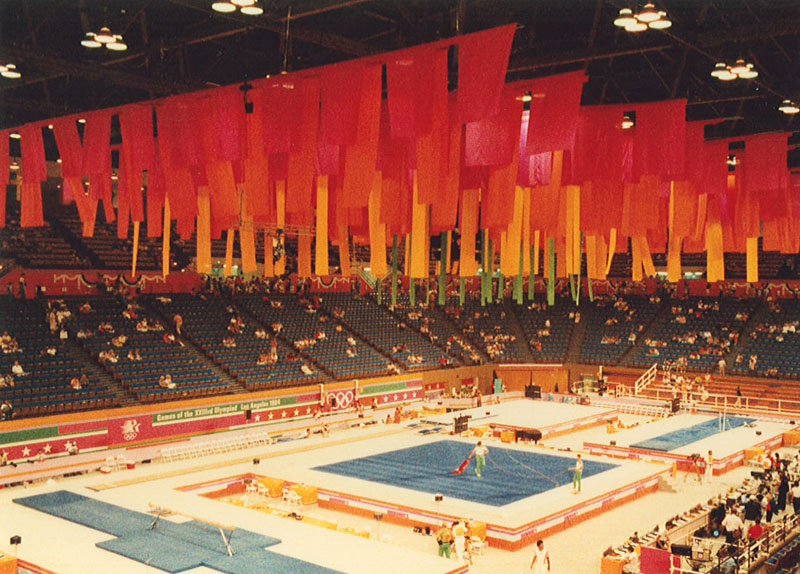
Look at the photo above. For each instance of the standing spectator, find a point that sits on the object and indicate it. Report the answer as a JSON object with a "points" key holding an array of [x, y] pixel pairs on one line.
{"points": [[709, 472], [796, 497], [6, 411], [444, 537]]}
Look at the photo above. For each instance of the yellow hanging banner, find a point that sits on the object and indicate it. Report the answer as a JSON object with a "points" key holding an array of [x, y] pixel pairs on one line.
{"points": [[752, 259], [612, 247], [135, 253], [228, 265], [526, 232], [377, 230], [419, 228], [468, 266]]}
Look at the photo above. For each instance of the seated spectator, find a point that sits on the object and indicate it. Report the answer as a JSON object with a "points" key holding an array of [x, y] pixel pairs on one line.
{"points": [[17, 369], [165, 382], [133, 355], [84, 380], [169, 339], [228, 342], [119, 341], [277, 328], [75, 383], [260, 334], [262, 360], [51, 351], [350, 352], [6, 410], [306, 369], [85, 308], [105, 328], [178, 322], [351, 341], [85, 334], [129, 313]]}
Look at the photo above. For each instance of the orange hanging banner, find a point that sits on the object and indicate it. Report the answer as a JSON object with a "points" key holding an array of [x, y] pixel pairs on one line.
{"points": [[247, 241], [510, 252], [304, 256], [344, 251], [591, 257], [203, 230], [165, 239], [269, 260], [321, 245], [135, 253], [535, 262]]}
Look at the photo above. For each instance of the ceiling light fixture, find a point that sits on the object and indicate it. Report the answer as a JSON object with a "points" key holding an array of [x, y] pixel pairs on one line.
{"points": [[104, 37], [247, 7], [740, 69], [649, 17], [789, 107], [627, 122], [9, 71]]}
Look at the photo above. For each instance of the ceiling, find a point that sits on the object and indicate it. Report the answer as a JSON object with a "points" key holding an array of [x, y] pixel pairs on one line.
{"points": [[177, 46]]}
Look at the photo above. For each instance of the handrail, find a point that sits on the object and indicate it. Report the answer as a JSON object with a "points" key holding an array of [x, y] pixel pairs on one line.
{"points": [[645, 379]]}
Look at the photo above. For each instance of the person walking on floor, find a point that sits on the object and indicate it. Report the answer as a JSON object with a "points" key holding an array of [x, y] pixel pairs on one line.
{"points": [[541, 559], [709, 473], [480, 453], [576, 478]]}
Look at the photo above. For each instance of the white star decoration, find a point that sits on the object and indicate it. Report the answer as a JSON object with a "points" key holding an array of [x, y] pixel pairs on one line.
{"points": [[385, 399], [258, 418], [47, 448], [271, 416], [296, 412], [405, 396], [394, 398], [26, 451], [67, 445], [283, 414], [308, 410]]}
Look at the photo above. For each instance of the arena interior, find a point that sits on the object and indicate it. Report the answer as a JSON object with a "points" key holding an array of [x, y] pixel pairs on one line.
{"points": [[359, 286]]}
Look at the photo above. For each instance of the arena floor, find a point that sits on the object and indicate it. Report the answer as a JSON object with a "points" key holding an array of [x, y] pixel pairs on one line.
{"points": [[64, 547]]}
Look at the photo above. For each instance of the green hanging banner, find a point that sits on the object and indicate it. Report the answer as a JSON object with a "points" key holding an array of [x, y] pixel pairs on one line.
{"points": [[501, 287], [394, 271], [443, 269], [462, 291], [551, 271], [531, 277], [518, 282], [380, 291], [589, 283], [412, 292], [484, 266], [490, 274]]}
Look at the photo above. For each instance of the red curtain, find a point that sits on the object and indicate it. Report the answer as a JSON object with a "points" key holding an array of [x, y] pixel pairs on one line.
{"points": [[4, 171], [341, 99]]}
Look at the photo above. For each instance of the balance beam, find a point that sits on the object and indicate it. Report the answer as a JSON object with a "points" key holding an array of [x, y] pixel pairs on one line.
{"points": [[162, 510]]}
